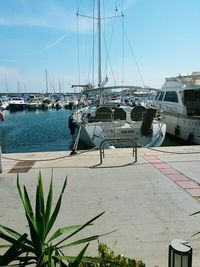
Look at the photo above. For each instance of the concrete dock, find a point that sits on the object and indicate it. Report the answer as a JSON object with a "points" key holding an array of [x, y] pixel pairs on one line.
{"points": [[148, 202]]}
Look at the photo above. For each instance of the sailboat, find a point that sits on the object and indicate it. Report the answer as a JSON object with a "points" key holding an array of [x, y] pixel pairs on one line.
{"points": [[117, 125]]}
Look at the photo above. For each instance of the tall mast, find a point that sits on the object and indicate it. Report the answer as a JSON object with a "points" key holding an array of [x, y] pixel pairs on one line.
{"points": [[46, 82], [99, 54], [6, 85]]}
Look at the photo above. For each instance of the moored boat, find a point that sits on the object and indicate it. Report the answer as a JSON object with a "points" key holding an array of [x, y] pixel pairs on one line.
{"points": [[121, 124], [115, 123], [179, 100], [17, 104]]}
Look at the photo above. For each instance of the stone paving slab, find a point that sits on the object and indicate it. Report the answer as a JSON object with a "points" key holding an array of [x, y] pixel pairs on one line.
{"points": [[147, 205]]}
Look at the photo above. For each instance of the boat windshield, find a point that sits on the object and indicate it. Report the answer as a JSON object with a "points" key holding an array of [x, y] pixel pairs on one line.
{"points": [[126, 108], [90, 109]]}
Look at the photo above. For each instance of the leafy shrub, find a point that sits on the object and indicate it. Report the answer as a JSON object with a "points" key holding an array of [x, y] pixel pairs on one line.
{"points": [[107, 258], [41, 249]]}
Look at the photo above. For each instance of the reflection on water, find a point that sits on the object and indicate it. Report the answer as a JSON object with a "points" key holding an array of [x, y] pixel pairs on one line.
{"points": [[35, 131]]}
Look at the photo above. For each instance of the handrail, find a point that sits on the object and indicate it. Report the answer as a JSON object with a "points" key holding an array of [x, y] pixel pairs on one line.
{"points": [[117, 140]]}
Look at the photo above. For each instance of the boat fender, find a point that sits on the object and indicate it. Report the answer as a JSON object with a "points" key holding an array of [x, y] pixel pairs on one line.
{"points": [[147, 121], [70, 106], [190, 138], [71, 125], [1, 116], [177, 130]]}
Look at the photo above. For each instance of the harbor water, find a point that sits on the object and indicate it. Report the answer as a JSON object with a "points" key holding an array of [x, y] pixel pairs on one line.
{"points": [[35, 131], [39, 131]]}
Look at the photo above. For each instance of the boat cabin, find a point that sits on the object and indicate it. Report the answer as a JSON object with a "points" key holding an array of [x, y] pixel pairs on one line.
{"points": [[180, 95]]}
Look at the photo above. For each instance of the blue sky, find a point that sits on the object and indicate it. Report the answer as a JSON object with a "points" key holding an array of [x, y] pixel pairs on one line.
{"points": [[162, 39]]}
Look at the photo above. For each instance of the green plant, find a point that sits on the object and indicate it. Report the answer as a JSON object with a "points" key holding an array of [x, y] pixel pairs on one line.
{"points": [[195, 213], [107, 258], [41, 248]]}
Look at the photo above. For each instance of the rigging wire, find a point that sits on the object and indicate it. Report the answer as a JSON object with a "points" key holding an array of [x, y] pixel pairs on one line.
{"points": [[78, 4], [93, 43], [123, 54], [134, 57], [108, 48], [92, 61], [77, 38], [89, 44], [119, 8]]}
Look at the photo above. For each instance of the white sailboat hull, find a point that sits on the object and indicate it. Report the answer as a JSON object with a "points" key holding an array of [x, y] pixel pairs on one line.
{"points": [[93, 134]]}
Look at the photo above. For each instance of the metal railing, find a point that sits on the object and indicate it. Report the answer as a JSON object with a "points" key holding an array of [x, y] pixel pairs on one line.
{"points": [[118, 141]]}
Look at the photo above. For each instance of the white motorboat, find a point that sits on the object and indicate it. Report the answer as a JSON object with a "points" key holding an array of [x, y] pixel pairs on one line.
{"points": [[33, 103], [179, 101], [17, 104], [122, 124]]}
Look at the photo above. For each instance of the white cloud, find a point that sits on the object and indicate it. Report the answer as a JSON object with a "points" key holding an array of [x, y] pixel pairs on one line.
{"points": [[58, 41]]}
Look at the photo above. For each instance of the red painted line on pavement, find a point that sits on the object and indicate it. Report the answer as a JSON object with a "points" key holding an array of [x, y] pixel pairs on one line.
{"points": [[187, 184]]}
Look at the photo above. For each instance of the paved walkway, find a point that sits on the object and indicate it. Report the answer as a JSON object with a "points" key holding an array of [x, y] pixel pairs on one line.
{"points": [[148, 202]]}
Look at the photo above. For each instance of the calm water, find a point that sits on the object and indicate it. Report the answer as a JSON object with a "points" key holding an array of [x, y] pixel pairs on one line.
{"points": [[35, 131], [39, 131]]}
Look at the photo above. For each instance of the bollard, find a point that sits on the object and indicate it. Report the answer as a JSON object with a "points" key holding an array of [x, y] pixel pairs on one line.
{"points": [[0, 162], [180, 254]]}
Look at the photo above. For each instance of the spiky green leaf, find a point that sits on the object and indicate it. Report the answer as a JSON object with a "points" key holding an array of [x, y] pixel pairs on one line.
{"points": [[195, 234], [79, 258], [14, 251], [64, 230], [197, 212], [40, 223], [28, 207], [41, 194], [10, 231], [20, 191], [48, 206], [37, 242], [81, 241], [82, 227], [57, 209]]}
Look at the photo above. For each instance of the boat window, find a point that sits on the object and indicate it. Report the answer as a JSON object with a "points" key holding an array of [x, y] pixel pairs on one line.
{"points": [[191, 100], [161, 96], [157, 96], [171, 97]]}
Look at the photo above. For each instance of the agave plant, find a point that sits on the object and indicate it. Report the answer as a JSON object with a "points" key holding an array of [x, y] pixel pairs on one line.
{"points": [[41, 247]]}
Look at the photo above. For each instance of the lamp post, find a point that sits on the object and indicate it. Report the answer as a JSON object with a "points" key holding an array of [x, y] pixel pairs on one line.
{"points": [[180, 254]]}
